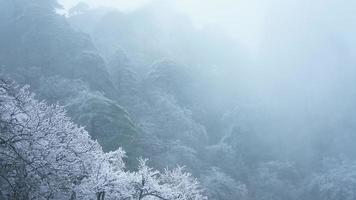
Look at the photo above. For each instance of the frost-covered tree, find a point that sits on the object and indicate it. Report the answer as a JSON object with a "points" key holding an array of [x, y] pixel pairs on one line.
{"points": [[169, 120], [275, 180], [221, 186], [172, 184], [44, 155], [337, 180], [103, 118]]}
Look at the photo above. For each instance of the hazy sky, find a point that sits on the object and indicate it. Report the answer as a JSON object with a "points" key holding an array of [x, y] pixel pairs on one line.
{"points": [[120, 4], [240, 18], [255, 22], [298, 50]]}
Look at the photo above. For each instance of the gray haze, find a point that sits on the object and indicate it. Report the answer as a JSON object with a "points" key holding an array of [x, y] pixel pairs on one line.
{"points": [[294, 58], [257, 99]]}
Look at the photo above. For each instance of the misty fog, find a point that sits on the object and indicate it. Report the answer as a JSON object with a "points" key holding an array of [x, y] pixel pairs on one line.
{"points": [[227, 100]]}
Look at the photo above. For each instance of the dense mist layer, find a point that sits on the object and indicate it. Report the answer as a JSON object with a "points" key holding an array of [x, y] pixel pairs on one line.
{"points": [[255, 98]]}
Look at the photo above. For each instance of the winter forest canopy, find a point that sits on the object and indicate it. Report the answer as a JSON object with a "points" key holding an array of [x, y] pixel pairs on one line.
{"points": [[177, 100]]}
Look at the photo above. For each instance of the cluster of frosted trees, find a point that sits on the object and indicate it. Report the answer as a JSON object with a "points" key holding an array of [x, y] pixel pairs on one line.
{"points": [[44, 155]]}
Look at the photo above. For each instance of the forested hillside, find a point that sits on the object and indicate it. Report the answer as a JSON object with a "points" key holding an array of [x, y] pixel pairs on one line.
{"points": [[46, 156], [87, 96]]}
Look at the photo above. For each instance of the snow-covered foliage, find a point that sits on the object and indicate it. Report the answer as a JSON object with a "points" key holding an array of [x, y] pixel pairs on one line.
{"points": [[251, 125], [44, 155], [221, 186], [336, 181], [275, 180]]}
